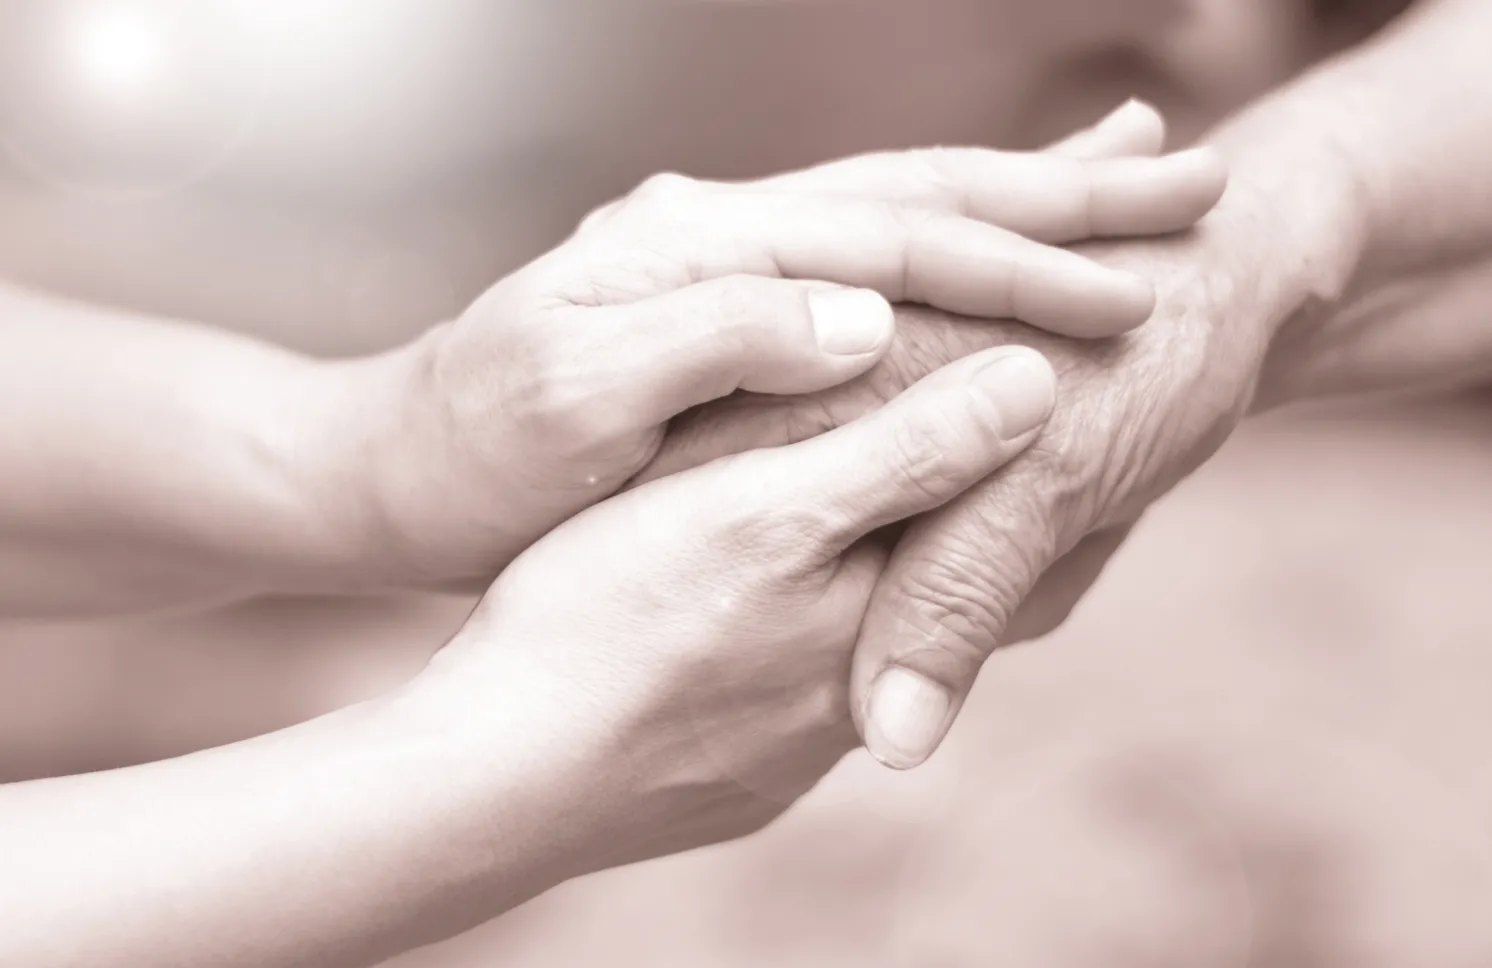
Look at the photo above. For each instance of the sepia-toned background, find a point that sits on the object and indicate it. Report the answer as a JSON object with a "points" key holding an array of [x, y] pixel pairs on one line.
{"points": [[1265, 740]]}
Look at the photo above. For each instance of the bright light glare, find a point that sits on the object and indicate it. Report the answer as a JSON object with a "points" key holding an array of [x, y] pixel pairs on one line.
{"points": [[116, 50]]}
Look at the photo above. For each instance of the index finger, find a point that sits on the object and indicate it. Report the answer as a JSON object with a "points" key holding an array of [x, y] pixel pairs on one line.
{"points": [[1049, 197]]}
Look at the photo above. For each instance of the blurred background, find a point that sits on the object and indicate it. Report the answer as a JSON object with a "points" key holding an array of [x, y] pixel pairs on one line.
{"points": [[1263, 741]]}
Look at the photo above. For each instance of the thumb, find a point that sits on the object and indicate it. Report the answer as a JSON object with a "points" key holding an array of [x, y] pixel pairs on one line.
{"points": [[947, 433], [655, 358], [945, 602]]}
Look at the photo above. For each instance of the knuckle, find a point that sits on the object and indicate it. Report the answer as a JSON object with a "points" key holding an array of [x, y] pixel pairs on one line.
{"points": [[597, 217], [641, 269], [664, 187], [935, 178], [1137, 420]]}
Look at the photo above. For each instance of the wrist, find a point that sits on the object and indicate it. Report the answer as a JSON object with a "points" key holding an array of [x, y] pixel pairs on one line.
{"points": [[377, 467], [318, 434], [1294, 211], [539, 765], [422, 501]]}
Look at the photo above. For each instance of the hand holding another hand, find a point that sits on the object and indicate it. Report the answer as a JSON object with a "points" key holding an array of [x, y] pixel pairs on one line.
{"points": [[1009, 559], [686, 646], [557, 386]]}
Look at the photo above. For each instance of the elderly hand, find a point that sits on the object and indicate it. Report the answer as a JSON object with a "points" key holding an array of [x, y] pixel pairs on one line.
{"points": [[1135, 415], [558, 384], [687, 644]]}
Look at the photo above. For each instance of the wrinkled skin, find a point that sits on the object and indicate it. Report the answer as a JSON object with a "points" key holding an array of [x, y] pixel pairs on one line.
{"points": [[689, 641], [558, 384], [1135, 415]]}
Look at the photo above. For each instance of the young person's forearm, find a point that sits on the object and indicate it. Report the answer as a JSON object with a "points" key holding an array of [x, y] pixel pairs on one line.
{"points": [[149, 463], [341, 842]]}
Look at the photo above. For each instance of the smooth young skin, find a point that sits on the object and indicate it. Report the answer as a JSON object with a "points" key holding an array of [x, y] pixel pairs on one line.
{"points": [[668, 669], [1365, 174], [151, 464]]}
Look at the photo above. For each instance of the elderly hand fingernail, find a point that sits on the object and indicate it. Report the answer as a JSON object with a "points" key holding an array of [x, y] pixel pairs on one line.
{"points": [[850, 322], [905, 718], [1021, 388]]}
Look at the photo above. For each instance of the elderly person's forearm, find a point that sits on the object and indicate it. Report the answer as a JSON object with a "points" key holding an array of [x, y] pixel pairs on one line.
{"points": [[1368, 174], [1428, 333], [1397, 129]]}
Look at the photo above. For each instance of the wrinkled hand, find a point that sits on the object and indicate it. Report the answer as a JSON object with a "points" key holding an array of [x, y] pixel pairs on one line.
{"points": [[689, 642], [1136, 418], [557, 386], [1135, 415]]}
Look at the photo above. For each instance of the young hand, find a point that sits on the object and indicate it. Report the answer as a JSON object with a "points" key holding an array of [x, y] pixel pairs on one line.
{"points": [[681, 652], [556, 387]]}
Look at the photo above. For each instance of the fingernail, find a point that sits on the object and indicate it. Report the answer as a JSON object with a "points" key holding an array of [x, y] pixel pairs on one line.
{"points": [[850, 322], [1021, 388], [905, 718]]}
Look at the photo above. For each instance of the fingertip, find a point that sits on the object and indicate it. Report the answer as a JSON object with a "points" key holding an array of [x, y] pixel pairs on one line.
{"points": [[1187, 185], [1027, 358], [1116, 302], [1076, 296], [1203, 170], [1019, 386], [1133, 303], [1155, 196], [808, 336], [905, 718], [1133, 129]]}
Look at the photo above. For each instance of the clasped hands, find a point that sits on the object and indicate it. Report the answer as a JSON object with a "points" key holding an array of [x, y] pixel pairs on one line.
{"points": [[747, 515]]}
